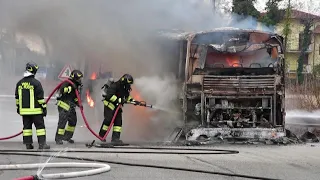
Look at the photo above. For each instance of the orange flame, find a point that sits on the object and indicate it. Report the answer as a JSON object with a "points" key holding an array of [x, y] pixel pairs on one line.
{"points": [[89, 99], [233, 61], [93, 76]]}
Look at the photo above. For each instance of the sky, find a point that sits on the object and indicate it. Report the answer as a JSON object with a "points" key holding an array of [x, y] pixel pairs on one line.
{"points": [[311, 6]]}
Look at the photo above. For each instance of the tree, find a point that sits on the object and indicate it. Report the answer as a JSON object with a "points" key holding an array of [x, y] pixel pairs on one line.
{"points": [[308, 22], [286, 29], [245, 8], [273, 15]]}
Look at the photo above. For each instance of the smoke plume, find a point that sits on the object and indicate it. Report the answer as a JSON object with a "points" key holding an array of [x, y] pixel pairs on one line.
{"points": [[118, 33]]}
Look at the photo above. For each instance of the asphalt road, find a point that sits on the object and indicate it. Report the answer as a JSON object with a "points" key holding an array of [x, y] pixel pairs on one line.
{"points": [[280, 162], [298, 162]]}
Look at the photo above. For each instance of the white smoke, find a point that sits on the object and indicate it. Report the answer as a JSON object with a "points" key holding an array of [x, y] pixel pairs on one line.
{"points": [[161, 92]]}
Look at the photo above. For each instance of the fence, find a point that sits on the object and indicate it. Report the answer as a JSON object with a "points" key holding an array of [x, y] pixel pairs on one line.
{"points": [[305, 96]]}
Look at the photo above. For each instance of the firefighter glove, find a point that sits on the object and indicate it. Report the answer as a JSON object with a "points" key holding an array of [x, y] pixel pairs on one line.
{"points": [[121, 101], [136, 103], [44, 112]]}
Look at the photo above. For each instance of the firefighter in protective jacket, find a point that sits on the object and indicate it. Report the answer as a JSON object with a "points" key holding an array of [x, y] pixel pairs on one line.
{"points": [[117, 94], [67, 102], [31, 106]]}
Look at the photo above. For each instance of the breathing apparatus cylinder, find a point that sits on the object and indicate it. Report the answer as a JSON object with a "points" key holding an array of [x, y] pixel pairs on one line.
{"points": [[106, 86]]}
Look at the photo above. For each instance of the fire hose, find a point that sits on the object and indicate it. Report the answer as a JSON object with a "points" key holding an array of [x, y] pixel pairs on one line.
{"points": [[164, 150], [142, 103], [100, 168]]}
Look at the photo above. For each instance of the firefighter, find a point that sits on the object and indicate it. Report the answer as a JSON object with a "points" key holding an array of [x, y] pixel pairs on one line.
{"points": [[67, 102], [31, 106], [117, 94]]}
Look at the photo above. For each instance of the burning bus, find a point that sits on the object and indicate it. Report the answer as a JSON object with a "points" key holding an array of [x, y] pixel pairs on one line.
{"points": [[232, 82]]}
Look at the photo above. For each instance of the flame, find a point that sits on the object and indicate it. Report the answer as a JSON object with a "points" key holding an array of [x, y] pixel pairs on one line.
{"points": [[93, 76], [89, 99], [143, 114], [233, 61]]}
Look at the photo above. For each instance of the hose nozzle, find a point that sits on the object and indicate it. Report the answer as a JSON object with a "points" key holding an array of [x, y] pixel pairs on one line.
{"points": [[141, 103]]}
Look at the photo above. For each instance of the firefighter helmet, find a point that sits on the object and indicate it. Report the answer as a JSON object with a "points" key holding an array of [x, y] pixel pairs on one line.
{"points": [[76, 75], [32, 67], [127, 78]]}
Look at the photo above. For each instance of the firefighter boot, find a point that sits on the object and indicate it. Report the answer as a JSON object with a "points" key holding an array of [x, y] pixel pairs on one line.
{"points": [[71, 141], [44, 146], [59, 142], [29, 146], [116, 138], [117, 142]]}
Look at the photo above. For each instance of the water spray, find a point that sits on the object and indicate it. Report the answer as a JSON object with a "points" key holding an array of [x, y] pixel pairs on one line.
{"points": [[143, 103]]}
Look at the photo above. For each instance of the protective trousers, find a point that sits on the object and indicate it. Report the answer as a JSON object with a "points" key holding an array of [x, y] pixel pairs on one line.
{"points": [[38, 122], [117, 126], [66, 132]]}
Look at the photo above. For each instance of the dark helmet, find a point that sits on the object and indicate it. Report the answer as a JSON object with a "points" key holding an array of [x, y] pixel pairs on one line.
{"points": [[32, 67], [127, 79], [76, 75]]}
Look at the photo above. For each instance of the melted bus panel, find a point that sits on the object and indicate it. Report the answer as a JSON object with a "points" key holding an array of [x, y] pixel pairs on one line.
{"points": [[232, 81]]}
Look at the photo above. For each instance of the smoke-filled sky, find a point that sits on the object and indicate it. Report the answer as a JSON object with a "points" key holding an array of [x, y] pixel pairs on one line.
{"points": [[116, 32], [108, 29]]}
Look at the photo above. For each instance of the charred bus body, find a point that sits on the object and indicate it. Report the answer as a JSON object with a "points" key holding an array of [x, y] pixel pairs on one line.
{"points": [[232, 82]]}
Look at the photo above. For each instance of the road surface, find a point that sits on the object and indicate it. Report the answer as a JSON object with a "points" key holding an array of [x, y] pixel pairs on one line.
{"points": [[279, 162], [292, 162]]}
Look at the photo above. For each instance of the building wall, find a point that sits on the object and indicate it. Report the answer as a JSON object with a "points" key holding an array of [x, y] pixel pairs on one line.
{"points": [[291, 60], [316, 53], [293, 44]]}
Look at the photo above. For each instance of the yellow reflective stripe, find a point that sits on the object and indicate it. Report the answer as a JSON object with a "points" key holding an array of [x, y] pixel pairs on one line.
{"points": [[70, 128], [41, 101], [63, 105], [28, 111], [61, 131], [41, 132], [113, 98], [75, 99], [27, 132], [67, 89], [105, 127], [109, 104], [20, 96], [44, 105], [31, 91], [117, 128], [17, 101]]}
